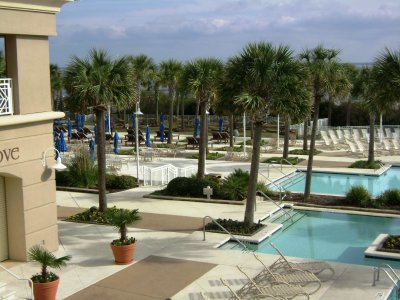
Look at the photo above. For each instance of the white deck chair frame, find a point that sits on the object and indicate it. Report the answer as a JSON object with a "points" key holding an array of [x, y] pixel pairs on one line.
{"points": [[316, 267]]}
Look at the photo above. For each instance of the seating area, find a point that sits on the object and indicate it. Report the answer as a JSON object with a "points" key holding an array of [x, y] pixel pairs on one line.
{"points": [[356, 140], [220, 136]]}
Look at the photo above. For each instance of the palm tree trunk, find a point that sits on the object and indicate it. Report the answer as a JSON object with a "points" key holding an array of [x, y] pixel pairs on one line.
{"points": [[198, 108], [156, 96], [231, 128], [305, 135], [101, 156], [330, 105], [202, 142], [286, 138], [348, 111], [182, 113], [307, 187], [255, 162], [171, 115], [371, 151], [123, 231]]}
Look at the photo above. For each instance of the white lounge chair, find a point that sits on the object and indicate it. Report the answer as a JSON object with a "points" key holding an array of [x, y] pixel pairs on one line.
{"points": [[347, 134], [396, 133], [395, 143], [327, 140], [365, 134], [307, 280], [333, 137], [340, 134], [353, 149], [315, 267], [388, 132]]}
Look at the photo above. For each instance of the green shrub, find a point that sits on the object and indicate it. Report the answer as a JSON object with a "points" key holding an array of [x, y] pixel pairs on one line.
{"points": [[191, 187], [389, 197], [279, 160], [234, 186], [362, 164], [303, 152], [63, 178], [234, 227], [209, 156], [120, 182], [358, 196]]}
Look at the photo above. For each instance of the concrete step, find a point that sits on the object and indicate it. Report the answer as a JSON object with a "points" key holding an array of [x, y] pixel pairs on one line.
{"points": [[6, 294]]}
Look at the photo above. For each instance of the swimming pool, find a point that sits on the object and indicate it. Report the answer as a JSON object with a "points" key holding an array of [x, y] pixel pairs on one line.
{"points": [[339, 183], [332, 237]]}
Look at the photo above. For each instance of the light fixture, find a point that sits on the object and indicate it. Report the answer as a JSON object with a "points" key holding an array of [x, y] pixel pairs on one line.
{"points": [[58, 165], [138, 112]]}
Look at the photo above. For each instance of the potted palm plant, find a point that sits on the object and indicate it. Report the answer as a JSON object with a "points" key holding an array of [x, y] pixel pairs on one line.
{"points": [[124, 247], [45, 283]]}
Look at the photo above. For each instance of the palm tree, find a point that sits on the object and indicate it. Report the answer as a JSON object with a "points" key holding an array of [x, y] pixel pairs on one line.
{"points": [[56, 82], [142, 68], [387, 67], [121, 218], [170, 71], [46, 259], [269, 75], [99, 81], [202, 76], [322, 65]]}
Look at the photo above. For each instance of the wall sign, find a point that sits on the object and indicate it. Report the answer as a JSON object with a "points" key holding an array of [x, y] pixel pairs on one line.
{"points": [[9, 154]]}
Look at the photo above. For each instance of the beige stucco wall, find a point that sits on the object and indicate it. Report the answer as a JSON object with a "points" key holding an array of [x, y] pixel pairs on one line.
{"points": [[28, 65], [24, 136]]}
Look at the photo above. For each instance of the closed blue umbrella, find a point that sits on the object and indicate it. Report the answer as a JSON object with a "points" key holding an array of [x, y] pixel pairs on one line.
{"points": [[116, 143], [57, 145], [69, 128], [78, 122], [63, 144], [196, 127], [83, 120], [162, 128], [91, 147], [107, 127], [221, 124], [148, 142], [58, 121], [133, 120]]}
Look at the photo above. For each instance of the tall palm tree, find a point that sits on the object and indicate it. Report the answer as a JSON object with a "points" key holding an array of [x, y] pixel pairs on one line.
{"points": [[322, 65], [387, 67], [155, 82], [99, 81], [56, 82], [142, 68], [269, 75], [202, 75], [170, 71]]}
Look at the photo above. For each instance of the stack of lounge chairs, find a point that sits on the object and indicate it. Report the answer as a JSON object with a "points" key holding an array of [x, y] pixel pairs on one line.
{"points": [[283, 279]]}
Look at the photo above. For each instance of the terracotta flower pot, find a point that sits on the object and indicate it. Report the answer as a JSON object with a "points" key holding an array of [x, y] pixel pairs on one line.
{"points": [[46, 290], [123, 254]]}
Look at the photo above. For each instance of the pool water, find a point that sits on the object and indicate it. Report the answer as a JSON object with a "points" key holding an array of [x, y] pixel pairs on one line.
{"points": [[339, 183], [332, 237]]}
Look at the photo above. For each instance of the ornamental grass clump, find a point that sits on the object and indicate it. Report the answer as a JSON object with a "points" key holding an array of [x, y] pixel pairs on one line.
{"points": [[358, 196]]}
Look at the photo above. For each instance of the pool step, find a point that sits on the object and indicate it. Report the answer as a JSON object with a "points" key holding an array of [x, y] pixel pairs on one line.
{"points": [[6, 294]]}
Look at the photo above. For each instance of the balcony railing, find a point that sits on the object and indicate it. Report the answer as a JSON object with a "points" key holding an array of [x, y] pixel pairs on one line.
{"points": [[6, 104]]}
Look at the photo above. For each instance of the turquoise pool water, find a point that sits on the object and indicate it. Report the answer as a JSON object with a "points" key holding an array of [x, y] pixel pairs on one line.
{"points": [[339, 184], [332, 237]]}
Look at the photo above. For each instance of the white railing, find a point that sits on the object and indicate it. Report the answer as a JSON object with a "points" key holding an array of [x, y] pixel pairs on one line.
{"points": [[164, 174], [6, 104]]}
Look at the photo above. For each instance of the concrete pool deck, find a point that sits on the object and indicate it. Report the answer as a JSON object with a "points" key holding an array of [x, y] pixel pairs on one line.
{"points": [[92, 267]]}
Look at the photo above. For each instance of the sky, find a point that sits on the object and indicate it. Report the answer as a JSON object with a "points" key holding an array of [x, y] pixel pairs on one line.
{"points": [[189, 29]]}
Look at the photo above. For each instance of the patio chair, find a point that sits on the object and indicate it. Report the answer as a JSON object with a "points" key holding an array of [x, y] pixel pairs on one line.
{"points": [[395, 143], [316, 267], [388, 132], [333, 137], [365, 134], [356, 134], [295, 276], [192, 141], [327, 140], [396, 134], [340, 134], [279, 291], [347, 134], [216, 136]]}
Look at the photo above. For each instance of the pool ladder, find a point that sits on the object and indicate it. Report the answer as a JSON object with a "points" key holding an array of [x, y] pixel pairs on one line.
{"points": [[390, 273]]}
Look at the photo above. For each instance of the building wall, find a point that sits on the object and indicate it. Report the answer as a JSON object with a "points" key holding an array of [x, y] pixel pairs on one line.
{"points": [[29, 187]]}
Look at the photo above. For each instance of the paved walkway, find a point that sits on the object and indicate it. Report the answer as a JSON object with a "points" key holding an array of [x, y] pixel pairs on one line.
{"points": [[165, 237]]}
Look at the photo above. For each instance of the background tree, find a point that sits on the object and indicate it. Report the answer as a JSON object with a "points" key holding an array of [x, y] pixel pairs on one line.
{"points": [[322, 65], [269, 74], [202, 76], [2, 65], [142, 69], [170, 71], [56, 82], [99, 81]]}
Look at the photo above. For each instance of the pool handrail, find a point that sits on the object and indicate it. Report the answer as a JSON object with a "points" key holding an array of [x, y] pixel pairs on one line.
{"points": [[389, 273], [274, 202], [224, 229]]}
